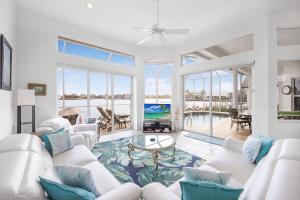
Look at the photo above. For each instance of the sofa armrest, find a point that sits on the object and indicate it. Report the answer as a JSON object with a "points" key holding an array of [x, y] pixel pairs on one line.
{"points": [[85, 127], [127, 191], [78, 140], [233, 144], [155, 191]]}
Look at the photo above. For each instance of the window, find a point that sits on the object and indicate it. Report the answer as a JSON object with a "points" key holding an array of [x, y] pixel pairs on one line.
{"points": [[235, 46], [158, 83], [83, 92], [71, 47], [288, 36]]}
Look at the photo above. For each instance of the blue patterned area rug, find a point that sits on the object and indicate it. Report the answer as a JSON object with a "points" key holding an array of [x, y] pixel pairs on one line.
{"points": [[205, 138], [113, 155]]}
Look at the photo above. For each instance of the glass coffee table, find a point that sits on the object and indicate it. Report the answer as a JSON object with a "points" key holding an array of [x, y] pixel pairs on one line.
{"points": [[153, 144]]}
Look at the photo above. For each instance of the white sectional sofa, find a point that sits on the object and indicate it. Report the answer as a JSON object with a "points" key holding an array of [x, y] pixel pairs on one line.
{"points": [[23, 158], [88, 131], [275, 177]]}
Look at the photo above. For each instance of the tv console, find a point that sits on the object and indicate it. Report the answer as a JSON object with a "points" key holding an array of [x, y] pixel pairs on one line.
{"points": [[153, 125]]}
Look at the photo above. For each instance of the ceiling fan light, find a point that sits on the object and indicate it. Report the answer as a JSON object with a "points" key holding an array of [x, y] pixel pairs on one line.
{"points": [[89, 5]]}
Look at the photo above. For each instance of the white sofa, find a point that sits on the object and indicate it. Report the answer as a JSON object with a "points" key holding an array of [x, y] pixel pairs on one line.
{"points": [[88, 131], [24, 158], [275, 177]]}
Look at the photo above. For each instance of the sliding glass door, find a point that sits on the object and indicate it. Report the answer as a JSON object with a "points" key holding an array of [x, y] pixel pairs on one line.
{"points": [[95, 96], [197, 103], [122, 105], [209, 98]]}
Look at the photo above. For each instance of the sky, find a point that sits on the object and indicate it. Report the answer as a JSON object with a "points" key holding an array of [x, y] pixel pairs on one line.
{"points": [[76, 80]]}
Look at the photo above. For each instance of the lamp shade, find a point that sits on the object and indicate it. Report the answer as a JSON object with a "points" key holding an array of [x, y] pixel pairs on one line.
{"points": [[25, 97]]}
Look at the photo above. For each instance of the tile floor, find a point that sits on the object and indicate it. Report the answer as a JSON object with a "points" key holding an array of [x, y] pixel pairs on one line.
{"points": [[198, 148]]}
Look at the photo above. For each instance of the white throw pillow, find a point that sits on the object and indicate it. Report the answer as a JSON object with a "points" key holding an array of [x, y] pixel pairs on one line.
{"points": [[251, 148], [57, 123], [60, 142], [195, 174]]}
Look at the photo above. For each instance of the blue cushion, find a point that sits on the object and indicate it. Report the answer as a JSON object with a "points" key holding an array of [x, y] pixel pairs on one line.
{"points": [[196, 174], [194, 190], [266, 144], [58, 191], [46, 141], [57, 142], [77, 177], [251, 148]]}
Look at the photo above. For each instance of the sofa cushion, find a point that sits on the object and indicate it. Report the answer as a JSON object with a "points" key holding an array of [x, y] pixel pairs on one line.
{"points": [[56, 123], [257, 185], [104, 180], [79, 155], [192, 190], [20, 174], [158, 191], [285, 181], [290, 149], [21, 142], [228, 160], [58, 191], [76, 176], [127, 191]]}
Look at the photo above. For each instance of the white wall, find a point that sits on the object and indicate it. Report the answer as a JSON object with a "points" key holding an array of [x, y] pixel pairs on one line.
{"points": [[284, 18], [37, 59], [7, 27], [266, 54], [37, 56]]}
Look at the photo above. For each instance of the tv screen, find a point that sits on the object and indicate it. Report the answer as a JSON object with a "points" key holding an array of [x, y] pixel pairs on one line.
{"points": [[157, 111]]}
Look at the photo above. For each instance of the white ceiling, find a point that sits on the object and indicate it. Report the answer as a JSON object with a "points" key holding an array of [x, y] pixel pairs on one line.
{"points": [[114, 17]]}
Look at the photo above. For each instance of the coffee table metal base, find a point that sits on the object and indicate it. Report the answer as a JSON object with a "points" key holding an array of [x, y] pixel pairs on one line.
{"points": [[155, 154]]}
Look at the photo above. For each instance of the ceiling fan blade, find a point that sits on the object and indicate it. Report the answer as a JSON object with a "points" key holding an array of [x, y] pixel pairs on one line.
{"points": [[145, 39], [177, 31], [162, 38], [141, 29]]}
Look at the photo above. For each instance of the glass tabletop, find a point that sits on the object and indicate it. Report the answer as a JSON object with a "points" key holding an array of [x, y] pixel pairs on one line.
{"points": [[152, 142]]}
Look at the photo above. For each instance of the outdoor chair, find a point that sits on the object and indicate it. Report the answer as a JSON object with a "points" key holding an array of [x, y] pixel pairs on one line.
{"points": [[104, 119], [119, 119], [240, 120]]}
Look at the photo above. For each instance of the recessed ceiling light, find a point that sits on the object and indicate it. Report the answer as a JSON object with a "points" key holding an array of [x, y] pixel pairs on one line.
{"points": [[89, 5]]}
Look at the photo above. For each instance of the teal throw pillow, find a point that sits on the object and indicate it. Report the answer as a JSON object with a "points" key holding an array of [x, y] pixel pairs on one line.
{"points": [[58, 191], [57, 142], [194, 190], [44, 137], [196, 174], [77, 177], [266, 144]]}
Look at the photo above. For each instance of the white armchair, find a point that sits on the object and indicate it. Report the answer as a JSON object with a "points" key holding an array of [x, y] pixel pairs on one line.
{"points": [[87, 131]]}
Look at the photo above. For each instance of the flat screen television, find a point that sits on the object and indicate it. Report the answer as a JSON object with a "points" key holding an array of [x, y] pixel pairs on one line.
{"points": [[157, 111]]}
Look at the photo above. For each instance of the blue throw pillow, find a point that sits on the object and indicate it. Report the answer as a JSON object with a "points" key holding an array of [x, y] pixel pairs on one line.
{"points": [[195, 174], [76, 176], [194, 190], [266, 144], [58, 191], [251, 148], [57, 142], [46, 141]]}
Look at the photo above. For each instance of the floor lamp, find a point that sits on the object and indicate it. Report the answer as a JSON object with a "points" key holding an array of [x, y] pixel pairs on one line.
{"points": [[25, 98]]}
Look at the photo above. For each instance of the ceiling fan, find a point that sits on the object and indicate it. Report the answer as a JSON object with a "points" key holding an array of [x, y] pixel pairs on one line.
{"points": [[158, 30]]}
